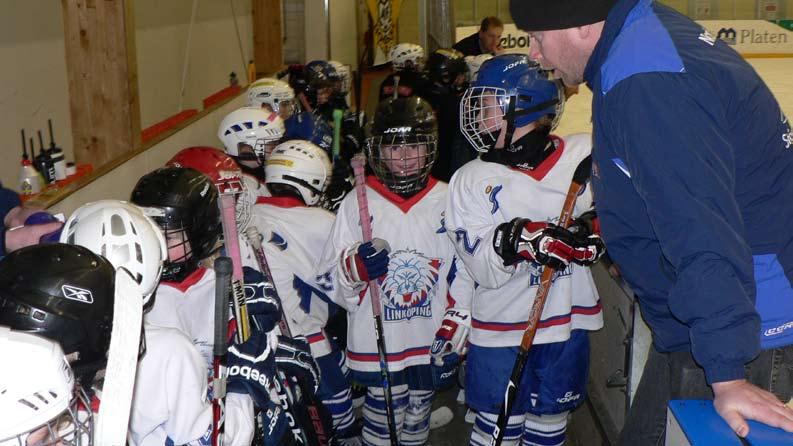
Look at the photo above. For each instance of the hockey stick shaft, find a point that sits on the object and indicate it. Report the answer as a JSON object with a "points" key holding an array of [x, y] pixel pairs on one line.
{"points": [[231, 240], [337, 116], [580, 177], [320, 430], [223, 268], [358, 167]]}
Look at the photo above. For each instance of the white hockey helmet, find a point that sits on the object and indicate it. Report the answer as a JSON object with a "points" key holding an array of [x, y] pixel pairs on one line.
{"points": [[345, 76], [38, 401], [407, 56], [275, 93], [474, 62], [302, 165], [251, 126], [125, 236]]}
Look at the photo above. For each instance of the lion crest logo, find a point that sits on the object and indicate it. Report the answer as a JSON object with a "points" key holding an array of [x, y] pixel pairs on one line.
{"points": [[409, 287]]}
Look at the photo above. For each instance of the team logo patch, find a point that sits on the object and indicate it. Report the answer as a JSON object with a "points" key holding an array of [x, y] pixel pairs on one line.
{"points": [[79, 294], [535, 271], [493, 198], [409, 287]]}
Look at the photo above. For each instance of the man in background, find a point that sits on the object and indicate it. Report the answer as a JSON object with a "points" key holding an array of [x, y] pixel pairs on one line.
{"points": [[486, 40]]}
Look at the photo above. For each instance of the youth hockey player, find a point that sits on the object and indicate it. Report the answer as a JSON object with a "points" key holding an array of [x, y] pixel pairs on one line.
{"points": [[273, 95], [500, 215], [39, 397], [407, 63], [292, 226], [410, 258], [249, 134], [183, 202]]}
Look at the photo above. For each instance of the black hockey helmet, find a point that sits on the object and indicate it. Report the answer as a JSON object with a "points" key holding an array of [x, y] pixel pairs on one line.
{"points": [[447, 67], [402, 145], [64, 293], [184, 203]]}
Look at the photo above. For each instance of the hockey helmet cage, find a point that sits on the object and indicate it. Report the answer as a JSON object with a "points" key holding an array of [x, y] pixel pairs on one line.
{"points": [[273, 93], [402, 145], [38, 397], [252, 127], [509, 90], [183, 203]]}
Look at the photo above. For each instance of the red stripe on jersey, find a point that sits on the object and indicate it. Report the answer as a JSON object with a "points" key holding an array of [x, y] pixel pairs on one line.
{"points": [[189, 281], [402, 203], [374, 357], [315, 337], [550, 322]]}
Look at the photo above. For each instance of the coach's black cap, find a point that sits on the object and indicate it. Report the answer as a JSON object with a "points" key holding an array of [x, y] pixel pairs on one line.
{"points": [[543, 15]]}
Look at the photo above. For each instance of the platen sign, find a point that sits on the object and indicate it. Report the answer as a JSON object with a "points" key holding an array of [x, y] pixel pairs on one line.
{"points": [[513, 40], [751, 36], [746, 36]]}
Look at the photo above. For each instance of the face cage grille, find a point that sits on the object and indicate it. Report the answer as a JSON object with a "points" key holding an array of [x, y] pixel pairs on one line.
{"points": [[72, 427], [402, 163], [482, 111]]}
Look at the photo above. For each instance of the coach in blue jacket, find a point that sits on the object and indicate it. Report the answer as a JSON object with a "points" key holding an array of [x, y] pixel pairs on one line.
{"points": [[693, 181]]}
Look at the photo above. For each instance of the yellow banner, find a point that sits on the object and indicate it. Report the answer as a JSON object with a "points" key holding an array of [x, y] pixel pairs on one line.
{"points": [[384, 14]]}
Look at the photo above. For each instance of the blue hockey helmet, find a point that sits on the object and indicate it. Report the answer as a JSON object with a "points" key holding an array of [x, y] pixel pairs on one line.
{"points": [[509, 88]]}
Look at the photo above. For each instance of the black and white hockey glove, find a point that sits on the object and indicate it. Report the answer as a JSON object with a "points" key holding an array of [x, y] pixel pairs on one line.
{"points": [[546, 243], [264, 308], [251, 369], [293, 357]]}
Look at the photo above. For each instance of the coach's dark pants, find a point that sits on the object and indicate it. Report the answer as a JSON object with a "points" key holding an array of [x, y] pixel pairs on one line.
{"points": [[672, 376]]}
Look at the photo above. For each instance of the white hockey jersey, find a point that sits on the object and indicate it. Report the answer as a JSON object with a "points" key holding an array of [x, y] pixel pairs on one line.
{"points": [[413, 293], [293, 234], [189, 307], [170, 398], [170, 404], [482, 196]]}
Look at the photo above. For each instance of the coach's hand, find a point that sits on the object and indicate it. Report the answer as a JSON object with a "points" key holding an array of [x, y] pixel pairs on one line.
{"points": [[739, 400]]}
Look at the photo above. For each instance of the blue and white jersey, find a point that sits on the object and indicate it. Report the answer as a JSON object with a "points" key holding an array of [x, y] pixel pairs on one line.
{"points": [[293, 235], [413, 292], [484, 195]]}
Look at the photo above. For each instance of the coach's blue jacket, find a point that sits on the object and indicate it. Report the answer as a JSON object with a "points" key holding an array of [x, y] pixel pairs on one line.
{"points": [[692, 181]]}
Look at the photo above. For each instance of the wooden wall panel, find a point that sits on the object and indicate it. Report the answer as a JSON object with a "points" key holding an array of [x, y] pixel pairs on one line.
{"points": [[267, 41], [102, 72]]}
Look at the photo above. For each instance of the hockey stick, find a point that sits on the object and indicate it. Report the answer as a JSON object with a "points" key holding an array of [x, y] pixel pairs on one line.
{"points": [[358, 166], [337, 115], [320, 429], [122, 361], [223, 268], [580, 177], [228, 187]]}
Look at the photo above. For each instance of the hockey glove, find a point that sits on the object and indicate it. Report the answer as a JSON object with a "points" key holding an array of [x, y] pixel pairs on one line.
{"points": [[366, 261], [546, 243], [261, 300], [452, 337], [251, 369], [293, 357]]}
